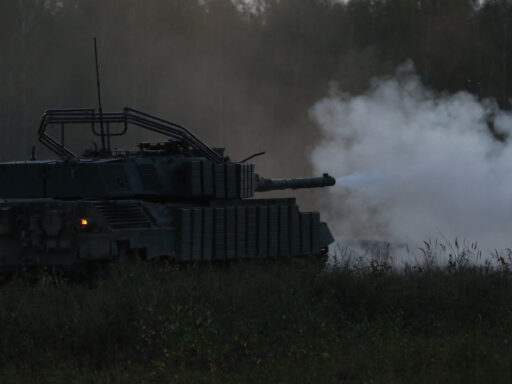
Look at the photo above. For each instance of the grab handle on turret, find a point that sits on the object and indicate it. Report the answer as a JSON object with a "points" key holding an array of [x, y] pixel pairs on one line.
{"points": [[264, 184]]}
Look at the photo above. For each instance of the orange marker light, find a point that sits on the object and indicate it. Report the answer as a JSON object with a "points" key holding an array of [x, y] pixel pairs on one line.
{"points": [[84, 222]]}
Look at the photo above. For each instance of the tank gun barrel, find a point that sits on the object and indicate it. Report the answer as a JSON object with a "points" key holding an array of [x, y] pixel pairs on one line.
{"points": [[264, 184]]}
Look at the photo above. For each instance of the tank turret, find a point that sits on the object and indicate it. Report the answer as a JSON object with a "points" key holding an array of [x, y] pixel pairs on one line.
{"points": [[176, 198]]}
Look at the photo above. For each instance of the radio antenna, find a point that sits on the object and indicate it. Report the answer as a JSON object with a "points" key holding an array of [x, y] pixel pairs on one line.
{"points": [[99, 96]]}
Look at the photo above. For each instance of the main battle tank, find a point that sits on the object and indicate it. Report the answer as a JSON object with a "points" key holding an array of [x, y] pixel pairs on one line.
{"points": [[178, 198]]}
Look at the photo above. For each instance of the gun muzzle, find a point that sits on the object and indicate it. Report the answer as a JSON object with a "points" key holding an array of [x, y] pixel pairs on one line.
{"points": [[264, 184]]}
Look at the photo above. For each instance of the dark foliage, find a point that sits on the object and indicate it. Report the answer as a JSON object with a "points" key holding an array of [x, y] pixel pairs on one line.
{"points": [[286, 322]]}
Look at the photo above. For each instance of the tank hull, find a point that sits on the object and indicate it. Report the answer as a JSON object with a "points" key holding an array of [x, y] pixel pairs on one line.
{"points": [[60, 233]]}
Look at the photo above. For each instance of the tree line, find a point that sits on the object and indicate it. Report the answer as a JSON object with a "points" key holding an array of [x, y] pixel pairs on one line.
{"points": [[240, 74]]}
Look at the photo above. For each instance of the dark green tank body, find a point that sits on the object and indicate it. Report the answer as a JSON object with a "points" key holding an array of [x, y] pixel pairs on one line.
{"points": [[178, 199]]}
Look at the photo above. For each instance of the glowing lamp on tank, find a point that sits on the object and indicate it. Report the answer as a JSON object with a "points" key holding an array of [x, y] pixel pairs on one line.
{"points": [[84, 223]]}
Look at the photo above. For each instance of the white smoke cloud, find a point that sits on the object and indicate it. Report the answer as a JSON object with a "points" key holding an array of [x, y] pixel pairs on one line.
{"points": [[413, 164]]}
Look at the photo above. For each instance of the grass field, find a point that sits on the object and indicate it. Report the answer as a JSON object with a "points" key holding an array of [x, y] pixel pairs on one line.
{"points": [[284, 322]]}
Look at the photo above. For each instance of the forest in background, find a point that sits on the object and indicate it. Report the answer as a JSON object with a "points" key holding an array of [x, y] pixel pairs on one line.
{"points": [[241, 75]]}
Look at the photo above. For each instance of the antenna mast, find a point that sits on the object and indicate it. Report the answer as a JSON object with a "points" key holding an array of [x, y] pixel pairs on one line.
{"points": [[99, 96]]}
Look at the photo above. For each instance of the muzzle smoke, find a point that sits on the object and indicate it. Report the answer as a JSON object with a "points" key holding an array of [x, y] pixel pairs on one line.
{"points": [[413, 164]]}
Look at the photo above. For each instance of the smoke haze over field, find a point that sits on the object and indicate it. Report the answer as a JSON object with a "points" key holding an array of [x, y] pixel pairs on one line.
{"points": [[414, 164]]}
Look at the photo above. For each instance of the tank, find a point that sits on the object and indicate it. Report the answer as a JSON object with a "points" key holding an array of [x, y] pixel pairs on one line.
{"points": [[177, 198]]}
